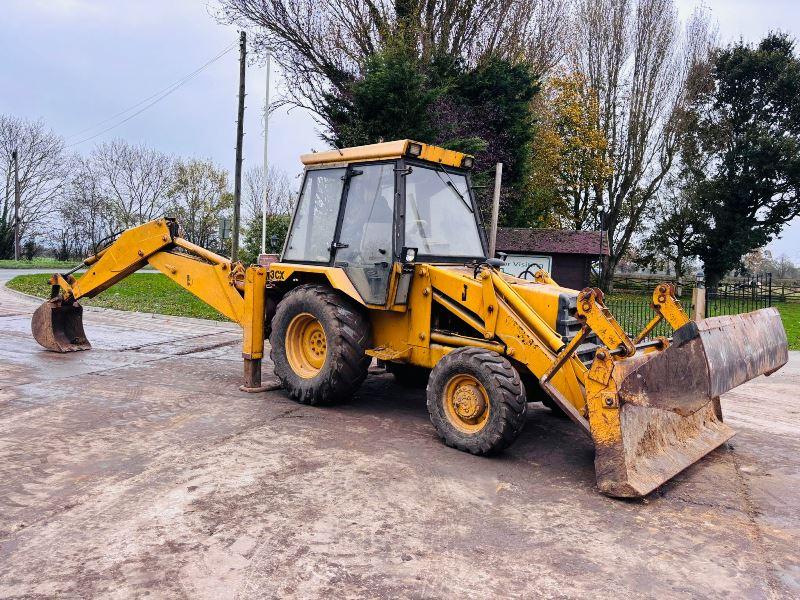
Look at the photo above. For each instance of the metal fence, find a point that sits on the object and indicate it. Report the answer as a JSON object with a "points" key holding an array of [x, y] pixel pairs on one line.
{"points": [[630, 300], [738, 295]]}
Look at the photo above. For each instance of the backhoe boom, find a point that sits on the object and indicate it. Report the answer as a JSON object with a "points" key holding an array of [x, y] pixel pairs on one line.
{"points": [[237, 293]]}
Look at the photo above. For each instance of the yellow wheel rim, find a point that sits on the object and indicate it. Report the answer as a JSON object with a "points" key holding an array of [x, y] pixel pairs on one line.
{"points": [[306, 345], [466, 403]]}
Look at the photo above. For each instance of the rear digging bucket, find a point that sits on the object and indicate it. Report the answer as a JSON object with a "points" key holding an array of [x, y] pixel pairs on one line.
{"points": [[58, 326], [653, 415]]}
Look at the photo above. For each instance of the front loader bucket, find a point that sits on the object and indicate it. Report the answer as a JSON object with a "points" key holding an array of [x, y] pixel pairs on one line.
{"points": [[653, 415], [58, 326]]}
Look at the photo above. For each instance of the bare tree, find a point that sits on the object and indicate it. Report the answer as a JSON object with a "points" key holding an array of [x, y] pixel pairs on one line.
{"points": [[323, 44], [198, 198], [541, 32], [672, 238], [134, 179], [280, 198], [86, 213], [636, 63], [42, 172], [65, 239]]}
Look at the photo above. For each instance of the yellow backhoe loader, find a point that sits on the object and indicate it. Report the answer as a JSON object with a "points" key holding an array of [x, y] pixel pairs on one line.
{"points": [[386, 259]]}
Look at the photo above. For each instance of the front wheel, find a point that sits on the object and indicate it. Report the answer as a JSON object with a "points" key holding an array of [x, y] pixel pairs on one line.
{"points": [[476, 401], [319, 338]]}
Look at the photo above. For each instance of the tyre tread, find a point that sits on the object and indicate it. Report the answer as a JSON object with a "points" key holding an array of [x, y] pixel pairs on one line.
{"points": [[507, 397], [348, 341]]}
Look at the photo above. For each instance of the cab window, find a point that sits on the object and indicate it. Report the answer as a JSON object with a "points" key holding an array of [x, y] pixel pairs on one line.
{"points": [[440, 219], [365, 240], [315, 218]]}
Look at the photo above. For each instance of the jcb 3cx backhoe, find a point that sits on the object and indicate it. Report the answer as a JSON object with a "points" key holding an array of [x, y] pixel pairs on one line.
{"points": [[386, 259]]}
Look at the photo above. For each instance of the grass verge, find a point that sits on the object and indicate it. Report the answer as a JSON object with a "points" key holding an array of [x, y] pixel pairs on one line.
{"points": [[790, 315], [142, 292], [38, 263]]}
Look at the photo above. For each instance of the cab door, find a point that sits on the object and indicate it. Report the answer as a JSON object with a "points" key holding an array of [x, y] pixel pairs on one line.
{"points": [[364, 244], [313, 227]]}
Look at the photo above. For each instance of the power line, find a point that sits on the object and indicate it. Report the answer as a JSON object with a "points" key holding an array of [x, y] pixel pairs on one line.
{"points": [[150, 100]]}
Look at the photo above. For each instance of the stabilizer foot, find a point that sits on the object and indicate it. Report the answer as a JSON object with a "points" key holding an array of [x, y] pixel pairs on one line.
{"points": [[252, 378]]}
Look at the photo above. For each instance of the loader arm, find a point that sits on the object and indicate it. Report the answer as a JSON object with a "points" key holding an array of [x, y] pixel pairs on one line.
{"points": [[237, 293], [667, 308], [650, 407]]}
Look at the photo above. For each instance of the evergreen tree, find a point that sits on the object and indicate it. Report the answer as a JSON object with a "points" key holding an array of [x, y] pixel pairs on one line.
{"points": [[749, 132], [485, 111]]}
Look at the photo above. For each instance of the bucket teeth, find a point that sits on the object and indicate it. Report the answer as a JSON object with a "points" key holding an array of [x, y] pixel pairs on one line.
{"points": [[58, 326]]}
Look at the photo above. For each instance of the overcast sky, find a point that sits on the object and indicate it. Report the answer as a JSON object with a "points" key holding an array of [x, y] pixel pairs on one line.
{"points": [[74, 63]]}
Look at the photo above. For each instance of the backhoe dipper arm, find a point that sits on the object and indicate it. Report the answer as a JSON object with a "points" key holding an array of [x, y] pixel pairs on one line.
{"points": [[237, 293], [208, 276], [126, 255]]}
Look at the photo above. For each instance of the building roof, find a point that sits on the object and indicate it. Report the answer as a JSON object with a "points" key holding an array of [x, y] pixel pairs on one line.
{"points": [[550, 241], [386, 151]]}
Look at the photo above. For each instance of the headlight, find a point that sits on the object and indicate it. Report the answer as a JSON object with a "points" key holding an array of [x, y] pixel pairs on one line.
{"points": [[414, 149], [409, 255], [468, 162]]}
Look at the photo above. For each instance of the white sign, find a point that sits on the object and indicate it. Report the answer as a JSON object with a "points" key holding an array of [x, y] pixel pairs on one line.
{"points": [[525, 266]]}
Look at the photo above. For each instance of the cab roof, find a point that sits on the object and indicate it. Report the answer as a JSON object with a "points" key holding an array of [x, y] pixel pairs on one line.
{"points": [[387, 151]]}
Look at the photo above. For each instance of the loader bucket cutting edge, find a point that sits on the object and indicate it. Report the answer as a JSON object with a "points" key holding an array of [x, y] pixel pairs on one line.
{"points": [[58, 326], [667, 413]]}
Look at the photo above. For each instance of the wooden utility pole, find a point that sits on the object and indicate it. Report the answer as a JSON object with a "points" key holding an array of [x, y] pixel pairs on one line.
{"points": [[237, 176], [15, 158], [498, 180]]}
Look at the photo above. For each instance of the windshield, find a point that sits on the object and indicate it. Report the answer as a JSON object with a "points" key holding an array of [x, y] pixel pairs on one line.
{"points": [[439, 217]]}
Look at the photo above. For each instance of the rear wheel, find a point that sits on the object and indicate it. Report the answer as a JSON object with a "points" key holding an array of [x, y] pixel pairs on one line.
{"points": [[476, 401], [318, 338]]}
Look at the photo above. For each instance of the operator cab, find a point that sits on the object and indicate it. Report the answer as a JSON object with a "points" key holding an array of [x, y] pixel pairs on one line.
{"points": [[366, 208]]}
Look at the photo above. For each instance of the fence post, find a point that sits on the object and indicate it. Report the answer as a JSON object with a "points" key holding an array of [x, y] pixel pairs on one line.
{"points": [[699, 298], [769, 289]]}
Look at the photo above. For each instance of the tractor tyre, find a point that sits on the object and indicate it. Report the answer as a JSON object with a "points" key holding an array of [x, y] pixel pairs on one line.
{"points": [[476, 401], [409, 376], [318, 338]]}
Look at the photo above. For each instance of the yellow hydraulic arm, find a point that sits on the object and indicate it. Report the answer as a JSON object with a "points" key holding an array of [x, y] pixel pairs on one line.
{"points": [[667, 307], [236, 292], [505, 322]]}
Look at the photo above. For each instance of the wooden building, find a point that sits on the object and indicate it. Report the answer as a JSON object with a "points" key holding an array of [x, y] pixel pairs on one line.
{"points": [[568, 255]]}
